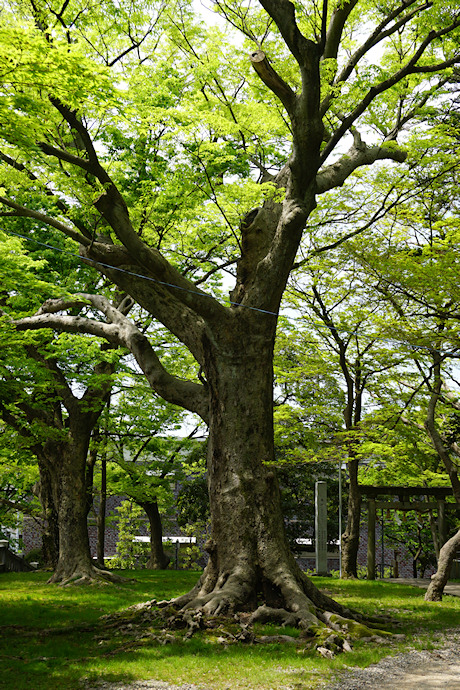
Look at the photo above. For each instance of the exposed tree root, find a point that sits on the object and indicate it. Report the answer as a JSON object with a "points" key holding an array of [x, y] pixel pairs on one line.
{"points": [[327, 640], [84, 575], [233, 604], [288, 600]]}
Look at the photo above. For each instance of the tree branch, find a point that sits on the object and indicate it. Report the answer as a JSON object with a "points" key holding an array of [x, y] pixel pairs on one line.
{"points": [[272, 79], [60, 204], [336, 174], [121, 331], [377, 35], [335, 29], [22, 211], [20, 507], [283, 14], [63, 155], [75, 123], [411, 67], [65, 391], [151, 260]]}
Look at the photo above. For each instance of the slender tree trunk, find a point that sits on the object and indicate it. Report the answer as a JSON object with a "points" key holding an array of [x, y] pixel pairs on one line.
{"points": [[158, 560], [350, 538], [101, 514], [432, 428], [434, 533], [416, 559], [446, 557]]}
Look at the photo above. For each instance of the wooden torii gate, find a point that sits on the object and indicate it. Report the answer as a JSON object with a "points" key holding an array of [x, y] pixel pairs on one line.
{"points": [[404, 494]]}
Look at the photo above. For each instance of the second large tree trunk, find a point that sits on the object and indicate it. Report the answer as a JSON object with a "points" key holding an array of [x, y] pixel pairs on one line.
{"points": [[70, 495], [74, 553]]}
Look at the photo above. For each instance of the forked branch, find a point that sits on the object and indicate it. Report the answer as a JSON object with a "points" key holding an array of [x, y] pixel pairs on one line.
{"points": [[122, 332]]}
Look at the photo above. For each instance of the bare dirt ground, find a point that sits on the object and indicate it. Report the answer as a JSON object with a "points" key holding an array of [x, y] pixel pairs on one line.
{"points": [[416, 670]]}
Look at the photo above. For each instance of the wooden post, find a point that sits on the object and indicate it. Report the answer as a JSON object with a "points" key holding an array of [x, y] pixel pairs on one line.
{"points": [[371, 539]]}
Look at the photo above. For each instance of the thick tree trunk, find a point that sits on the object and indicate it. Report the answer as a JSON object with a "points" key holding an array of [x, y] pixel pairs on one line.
{"points": [[446, 557], [74, 553], [70, 494], [50, 540], [158, 560], [250, 566], [350, 538]]}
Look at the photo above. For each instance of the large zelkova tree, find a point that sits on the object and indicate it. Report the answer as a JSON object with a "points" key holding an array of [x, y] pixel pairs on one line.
{"points": [[141, 135]]}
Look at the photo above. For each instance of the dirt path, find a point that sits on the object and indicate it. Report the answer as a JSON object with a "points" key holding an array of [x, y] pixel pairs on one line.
{"points": [[414, 670], [452, 588]]}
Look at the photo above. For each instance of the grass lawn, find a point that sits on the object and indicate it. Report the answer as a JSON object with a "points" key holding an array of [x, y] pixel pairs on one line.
{"points": [[51, 637]]}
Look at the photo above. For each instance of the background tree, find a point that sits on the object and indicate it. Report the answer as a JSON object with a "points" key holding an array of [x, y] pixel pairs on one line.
{"points": [[413, 264], [37, 401], [339, 320]]}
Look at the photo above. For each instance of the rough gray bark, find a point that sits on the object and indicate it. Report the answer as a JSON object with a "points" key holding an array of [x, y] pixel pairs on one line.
{"points": [[439, 579], [69, 487], [68, 472], [249, 560]]}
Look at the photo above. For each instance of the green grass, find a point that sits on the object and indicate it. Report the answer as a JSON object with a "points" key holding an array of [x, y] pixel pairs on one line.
{"points": [[52, 637]]}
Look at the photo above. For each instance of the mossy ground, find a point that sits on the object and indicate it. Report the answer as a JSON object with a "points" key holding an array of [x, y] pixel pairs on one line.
{"points": [[53, 637]]}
